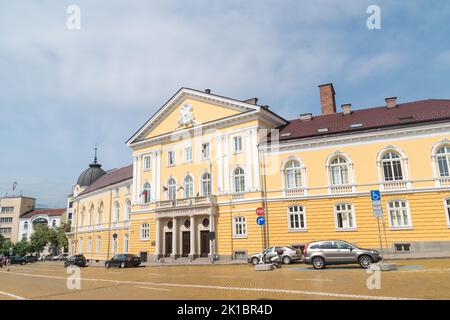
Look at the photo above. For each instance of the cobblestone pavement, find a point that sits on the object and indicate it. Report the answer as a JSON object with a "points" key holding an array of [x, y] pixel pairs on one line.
{"points": [[415, 279]]}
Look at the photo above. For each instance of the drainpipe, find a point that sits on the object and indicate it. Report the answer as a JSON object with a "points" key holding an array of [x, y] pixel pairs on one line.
{"points": [[109, 225], [264, 194]]}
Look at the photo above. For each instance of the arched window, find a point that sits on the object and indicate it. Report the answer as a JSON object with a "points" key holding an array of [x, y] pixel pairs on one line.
{"points": [[443, 161], [188, 186], [392, 166], [83, 217], [399, 216], [339, 171], [127, 210], [447, 210], [239, 180], [91, 215], [293, 174], [147, 194], [116, 213], [206, 184], [171, 189], [100, 214]]}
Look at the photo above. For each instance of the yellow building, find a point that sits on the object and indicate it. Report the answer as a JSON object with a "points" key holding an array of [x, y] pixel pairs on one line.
{"points": [[203, 164]]}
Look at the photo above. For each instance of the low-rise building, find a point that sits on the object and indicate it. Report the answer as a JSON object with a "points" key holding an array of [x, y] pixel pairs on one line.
{"points": [[12, 208], [53, 218]]}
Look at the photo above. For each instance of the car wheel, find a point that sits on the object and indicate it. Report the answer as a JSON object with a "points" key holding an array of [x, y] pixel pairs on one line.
{"points": [[286, 260], [107, 265], [122, 265], [318, 263], [255, 261], [364, 261]]}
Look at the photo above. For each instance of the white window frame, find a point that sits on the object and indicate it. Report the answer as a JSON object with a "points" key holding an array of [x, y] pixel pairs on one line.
{"points": [[144, 232], [188, 155], [447, 210], [147, 163], [203, 181], [98, 244], [147, 186], [168, 192], [239, 227], [241, 182], [187, 186], [340, 167], [208, 149], [126, 243], [391, 166], [295, 169], [445, 155], [346, 211], [237, 144], [408, 215], [299, 213], [171, 159]]}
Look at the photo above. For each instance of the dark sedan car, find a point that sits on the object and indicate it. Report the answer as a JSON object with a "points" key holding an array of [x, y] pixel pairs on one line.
{"points": [[77, 260], [18, 260], [31, 258], [123, 261]]}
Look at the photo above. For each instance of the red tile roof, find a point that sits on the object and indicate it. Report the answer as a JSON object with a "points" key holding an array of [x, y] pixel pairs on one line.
{"points": [[111, 177], [48, 212], [432, 110]]}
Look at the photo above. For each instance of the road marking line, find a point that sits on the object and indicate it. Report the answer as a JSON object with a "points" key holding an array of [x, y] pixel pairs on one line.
{"points": [[222, 276], [12, 295], [311, 293], [151, 288], [313, 280]]}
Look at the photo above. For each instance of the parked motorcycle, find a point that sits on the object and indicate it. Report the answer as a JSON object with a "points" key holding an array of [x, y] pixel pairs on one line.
{"points": [[271, 259]]}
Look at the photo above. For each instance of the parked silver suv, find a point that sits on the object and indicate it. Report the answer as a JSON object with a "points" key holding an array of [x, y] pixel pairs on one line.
{"points": [[321, 253]]}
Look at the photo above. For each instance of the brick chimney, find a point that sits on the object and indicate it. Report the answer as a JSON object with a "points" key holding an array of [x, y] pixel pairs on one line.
{"points": [[327, 98], [391, 102]]}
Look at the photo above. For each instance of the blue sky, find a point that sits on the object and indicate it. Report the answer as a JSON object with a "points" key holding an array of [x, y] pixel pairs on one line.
{"points": [[63, 91]]}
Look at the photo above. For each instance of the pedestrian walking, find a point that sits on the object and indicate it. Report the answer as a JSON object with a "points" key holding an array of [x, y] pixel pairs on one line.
{"points": [[7, 263]]}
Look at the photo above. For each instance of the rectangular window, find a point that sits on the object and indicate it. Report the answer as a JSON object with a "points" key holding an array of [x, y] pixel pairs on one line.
{"points": [[7, 209], [237, 144], [98, 245], [399, 214], [171, 158], [345, 219], [5, 230], [6, 220], [188, 154], [240, 255], [89, 245], [147, 163], [205, 150], [402, 247], [125, 243], [296, 218], [145, 231], [240, 227]]}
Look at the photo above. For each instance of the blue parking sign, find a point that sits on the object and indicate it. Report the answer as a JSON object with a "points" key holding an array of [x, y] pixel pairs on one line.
{"points": [[260, 221], [375, 195]]}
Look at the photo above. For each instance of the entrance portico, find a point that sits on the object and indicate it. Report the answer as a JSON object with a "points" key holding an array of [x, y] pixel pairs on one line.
{"points": [[185, 229]]}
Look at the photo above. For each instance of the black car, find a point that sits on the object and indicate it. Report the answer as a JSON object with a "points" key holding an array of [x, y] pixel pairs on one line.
{"points": [[31, 258], [18, 260], [123, 261], [77, 260]]}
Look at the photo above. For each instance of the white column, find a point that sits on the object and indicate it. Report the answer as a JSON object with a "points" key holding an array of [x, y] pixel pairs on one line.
{"points": [[158, 239], [255, 159], [134, 187], [154, 190], [174, 238], [226, 173], [219, 167], [158, 175], [192, 254], [248, 160], [212, 243], [138, 189]]}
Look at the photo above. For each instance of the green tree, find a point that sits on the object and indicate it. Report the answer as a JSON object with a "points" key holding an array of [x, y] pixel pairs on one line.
{"points": [[61, 236], [40, 238], [22, 248], [4, 248]]}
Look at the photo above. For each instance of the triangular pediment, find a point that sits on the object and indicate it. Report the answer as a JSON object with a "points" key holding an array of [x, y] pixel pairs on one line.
{"points": [[187, 108]]}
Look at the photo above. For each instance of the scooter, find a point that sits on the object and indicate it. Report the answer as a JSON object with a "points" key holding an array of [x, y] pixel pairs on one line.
{"points": [[275, 260]]}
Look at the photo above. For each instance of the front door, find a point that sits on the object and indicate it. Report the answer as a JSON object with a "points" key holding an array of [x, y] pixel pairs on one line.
{"points": [[204, 244], [168, 242], [186, 243]]}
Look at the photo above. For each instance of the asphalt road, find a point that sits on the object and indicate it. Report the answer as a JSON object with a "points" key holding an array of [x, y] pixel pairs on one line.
{"points": [[415, 279]]}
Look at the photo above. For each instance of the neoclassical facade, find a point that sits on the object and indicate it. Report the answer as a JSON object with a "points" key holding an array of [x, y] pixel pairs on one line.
{"points": [[203, 163]]}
